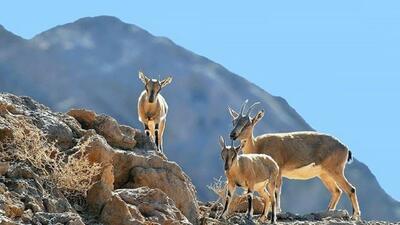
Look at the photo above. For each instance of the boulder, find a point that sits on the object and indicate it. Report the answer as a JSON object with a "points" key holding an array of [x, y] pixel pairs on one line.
{"points": [[107, 127], [116, 211], [153, 204], [170, 181], [97, 196], [137, 168]]}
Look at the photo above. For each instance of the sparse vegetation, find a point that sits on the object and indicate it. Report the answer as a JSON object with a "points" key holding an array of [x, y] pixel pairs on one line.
{"points": [[218, 187], [72, 174]]}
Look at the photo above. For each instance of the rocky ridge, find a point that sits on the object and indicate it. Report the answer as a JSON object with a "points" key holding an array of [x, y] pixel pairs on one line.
{"points": [[136, 184]]}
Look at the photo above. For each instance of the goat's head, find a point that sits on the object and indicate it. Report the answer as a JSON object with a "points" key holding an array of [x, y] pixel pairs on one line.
{"points": [[243, 123], [228, 153], [153, 86]]}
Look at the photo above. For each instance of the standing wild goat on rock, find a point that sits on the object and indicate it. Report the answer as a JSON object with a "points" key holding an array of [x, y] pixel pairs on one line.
{"points": [[153, 109], [300, 155], [252, 172]]}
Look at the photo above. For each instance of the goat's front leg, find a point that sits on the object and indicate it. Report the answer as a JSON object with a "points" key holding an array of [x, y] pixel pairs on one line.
{"points": [[146, 129], [250, 208], [229, 194]]}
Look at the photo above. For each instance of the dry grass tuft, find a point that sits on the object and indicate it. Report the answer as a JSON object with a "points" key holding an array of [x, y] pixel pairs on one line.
{"points": [[72, 174], [218, 187]]}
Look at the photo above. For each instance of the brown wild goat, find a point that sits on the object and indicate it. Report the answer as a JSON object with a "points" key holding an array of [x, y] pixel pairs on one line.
{"points": [[252, 172], [300, 155], [153, 109]]}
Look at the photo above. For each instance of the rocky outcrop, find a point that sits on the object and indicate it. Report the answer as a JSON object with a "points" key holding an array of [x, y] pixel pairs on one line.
{"points": [[211, 211], [136, 184]]}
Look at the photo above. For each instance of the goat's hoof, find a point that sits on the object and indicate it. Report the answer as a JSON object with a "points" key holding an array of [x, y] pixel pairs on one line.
{"points": [[262, 219], [356, 217], [221, 217]]}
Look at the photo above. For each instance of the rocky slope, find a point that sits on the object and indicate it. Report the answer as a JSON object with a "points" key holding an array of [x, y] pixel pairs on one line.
{"points": [[93, 63], [135, 184]]}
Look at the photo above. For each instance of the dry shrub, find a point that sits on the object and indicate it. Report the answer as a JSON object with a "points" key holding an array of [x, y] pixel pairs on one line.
{"points": [[72, 174], [218, 187]]}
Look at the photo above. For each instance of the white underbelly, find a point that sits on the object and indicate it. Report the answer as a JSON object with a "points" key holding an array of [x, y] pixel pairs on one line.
{"points": [[303, 173]]}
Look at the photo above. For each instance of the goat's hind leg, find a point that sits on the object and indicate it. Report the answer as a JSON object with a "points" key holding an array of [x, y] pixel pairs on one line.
{"points": [[266, 197], [333, 188], [351, 192], [250, 208], [161, 135]]}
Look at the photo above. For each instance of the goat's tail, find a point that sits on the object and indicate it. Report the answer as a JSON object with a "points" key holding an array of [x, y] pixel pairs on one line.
{"points": [[349, 157]]}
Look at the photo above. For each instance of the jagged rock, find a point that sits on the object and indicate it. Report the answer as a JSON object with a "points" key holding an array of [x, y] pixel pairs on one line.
{"points": [[67, 218], [145, 168], [99, 151], [4, 168], [52, 124], [169, 179], [116, 211], [153, 204], [97, 197], [105, 126], [85, 117]]}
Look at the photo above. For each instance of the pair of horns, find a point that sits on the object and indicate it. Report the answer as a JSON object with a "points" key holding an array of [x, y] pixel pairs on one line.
{"points": [[222, 142], [249, 109]]}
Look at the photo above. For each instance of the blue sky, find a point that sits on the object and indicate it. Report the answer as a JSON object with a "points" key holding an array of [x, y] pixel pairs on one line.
{"points": [[335, 62]]}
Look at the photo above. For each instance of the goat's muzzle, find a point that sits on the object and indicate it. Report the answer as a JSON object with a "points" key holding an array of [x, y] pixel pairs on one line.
{"points": [[151, 97], [233, 136]]}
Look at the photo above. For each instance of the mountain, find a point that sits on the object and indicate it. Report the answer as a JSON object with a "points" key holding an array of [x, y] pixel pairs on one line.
{"points": [[93, 63]]}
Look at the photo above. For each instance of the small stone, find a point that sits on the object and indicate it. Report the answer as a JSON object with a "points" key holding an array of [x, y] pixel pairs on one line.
{"points": [[4, 166]]}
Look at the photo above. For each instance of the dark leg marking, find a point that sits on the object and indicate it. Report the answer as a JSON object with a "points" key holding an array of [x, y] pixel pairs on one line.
{"points": [[250, 201], [273, 215], [146, 130], [226, 205], [157, 138]]}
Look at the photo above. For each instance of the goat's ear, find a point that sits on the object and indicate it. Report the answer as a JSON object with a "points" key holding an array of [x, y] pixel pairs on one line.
{"points": [[166, 81], [143, 77], [221, 142], [258, 117], [238, 148], [233, 113]]}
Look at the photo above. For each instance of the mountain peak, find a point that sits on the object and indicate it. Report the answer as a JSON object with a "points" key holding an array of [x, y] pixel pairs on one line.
{"points": [[7, 36], [99, 19], [87, 33]]}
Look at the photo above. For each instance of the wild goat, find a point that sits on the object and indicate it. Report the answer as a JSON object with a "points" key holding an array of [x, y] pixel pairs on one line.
{"points": [[253, 172], [300, 155], [153, 109]]}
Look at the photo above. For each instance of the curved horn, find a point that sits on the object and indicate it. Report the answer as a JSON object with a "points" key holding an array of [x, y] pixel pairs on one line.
{"points": [[251, 107], [243, 106]]}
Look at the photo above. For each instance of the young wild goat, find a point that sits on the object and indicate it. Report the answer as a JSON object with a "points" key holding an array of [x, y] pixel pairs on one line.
{"points": [[300, 155], [253, 172], [153, 109]]}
